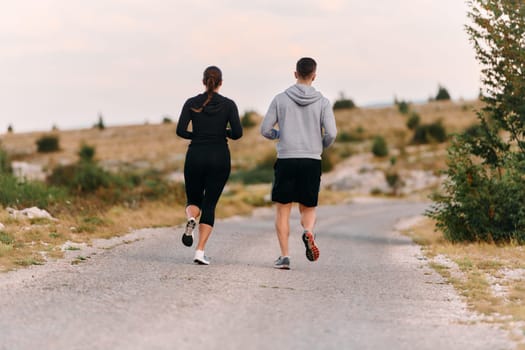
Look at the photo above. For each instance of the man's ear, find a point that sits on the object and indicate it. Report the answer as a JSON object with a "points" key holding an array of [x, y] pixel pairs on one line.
{"points": [[296, 75], [314, 76]]}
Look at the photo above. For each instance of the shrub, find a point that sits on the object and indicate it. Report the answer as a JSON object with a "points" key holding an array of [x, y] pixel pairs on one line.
{"points": [[6, 238], [261, 173], [16, 193], [247, 120], [343, 103], [5, 162], [402, 106], [89, 177], [379, 147], [413, 121], [479, 203], [86, 153], [10, 129], [327, 160], [47, 143], [429, 133], [166, 119], [442, 94], [350, 136]]}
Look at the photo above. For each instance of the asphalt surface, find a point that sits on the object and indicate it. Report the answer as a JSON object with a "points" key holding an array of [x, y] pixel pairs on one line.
{"points": [[370, 289]]}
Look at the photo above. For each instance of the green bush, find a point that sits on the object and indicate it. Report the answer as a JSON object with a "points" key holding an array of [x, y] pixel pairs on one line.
{"points": [[379, 147], [16, 193], [402, 106], [86, 153], [479, 203], [413, 121], [10, 129], [47, 144], [429, 133], [327, 159], [343, 103], [6, 238], [166, 120], [83, 177], [247, 120], [350, 136], [261, 173], [5, 162]]}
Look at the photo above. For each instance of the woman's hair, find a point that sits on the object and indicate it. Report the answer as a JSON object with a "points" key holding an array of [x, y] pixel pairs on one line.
{"points": [[212, 78], [305, 67]]}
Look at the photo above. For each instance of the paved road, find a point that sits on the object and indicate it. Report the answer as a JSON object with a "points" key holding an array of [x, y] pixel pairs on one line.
{"points": [[371, 289]]}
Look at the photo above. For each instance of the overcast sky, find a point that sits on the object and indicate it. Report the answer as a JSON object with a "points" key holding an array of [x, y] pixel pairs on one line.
{"points": [[62, 62]]}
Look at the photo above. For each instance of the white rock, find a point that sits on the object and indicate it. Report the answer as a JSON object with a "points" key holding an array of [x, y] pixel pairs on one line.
{"points": [[1, 226], [30, 213], [28, 171]]}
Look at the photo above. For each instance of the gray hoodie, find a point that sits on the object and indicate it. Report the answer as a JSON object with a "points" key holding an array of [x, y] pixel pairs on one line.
{"points": [[306, 122]]}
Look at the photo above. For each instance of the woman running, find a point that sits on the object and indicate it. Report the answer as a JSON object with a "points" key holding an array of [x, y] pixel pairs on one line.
{"points": [[207, 165]]}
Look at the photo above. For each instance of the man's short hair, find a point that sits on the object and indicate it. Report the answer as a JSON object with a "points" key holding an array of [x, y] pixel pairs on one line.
{"points": [[305, 67]]}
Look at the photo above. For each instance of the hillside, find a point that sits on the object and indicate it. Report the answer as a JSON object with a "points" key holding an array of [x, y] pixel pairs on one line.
{"points": [[156, 145]]}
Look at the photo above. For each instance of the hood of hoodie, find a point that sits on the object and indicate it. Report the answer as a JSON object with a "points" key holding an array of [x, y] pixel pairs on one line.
{"points": [[303, 95]]}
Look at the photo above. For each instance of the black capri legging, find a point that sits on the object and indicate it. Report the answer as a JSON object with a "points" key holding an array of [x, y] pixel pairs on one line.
{"points": [[206, 170]]}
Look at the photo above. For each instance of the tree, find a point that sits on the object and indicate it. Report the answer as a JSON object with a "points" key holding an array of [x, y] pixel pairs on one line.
{"points": [[100, 124], [442, 94], [484, 196]]}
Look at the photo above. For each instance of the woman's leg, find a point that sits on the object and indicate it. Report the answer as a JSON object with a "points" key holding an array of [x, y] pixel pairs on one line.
{"points": [[217, 175], [192, 211]]}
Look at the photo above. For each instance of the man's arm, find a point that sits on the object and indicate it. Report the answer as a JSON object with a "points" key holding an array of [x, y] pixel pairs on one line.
{"points": [[328, 124], [269, 121]]}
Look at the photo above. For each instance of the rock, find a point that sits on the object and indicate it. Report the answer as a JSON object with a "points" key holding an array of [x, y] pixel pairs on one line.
{"points": [[28, 171], [1, 226], [30, 213]]}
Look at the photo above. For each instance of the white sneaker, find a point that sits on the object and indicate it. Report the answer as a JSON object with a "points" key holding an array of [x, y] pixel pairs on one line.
{"points": [[200, 258]]}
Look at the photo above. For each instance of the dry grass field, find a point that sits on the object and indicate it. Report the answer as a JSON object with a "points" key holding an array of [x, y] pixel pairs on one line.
{"points": [[158, 146]]}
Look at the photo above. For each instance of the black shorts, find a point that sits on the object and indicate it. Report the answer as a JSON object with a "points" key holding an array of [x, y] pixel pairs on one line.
{"points": [[297, 180]]}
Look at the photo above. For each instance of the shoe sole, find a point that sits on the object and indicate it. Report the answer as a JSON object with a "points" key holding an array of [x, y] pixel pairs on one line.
{"points": [[187, 236], [282, 267], [312, 252], [201, 262]]}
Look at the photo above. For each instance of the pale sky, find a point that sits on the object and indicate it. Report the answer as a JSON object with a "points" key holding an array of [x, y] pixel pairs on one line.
{"points": [[64, 61]]}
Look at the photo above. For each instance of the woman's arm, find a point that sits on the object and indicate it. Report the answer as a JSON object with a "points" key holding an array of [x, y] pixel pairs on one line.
{"points": [[184, 121], [235, 131]]}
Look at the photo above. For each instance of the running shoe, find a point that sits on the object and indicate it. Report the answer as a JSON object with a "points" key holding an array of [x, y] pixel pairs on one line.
{"points": [[282, 262], [200, 258], [187, 237], [312, 252]]}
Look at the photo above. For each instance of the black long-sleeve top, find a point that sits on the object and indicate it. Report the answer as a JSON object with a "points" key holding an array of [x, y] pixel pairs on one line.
{"points": [[209, 126]]}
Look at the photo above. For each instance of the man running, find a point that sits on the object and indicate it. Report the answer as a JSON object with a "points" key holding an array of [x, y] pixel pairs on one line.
{"points": [[305, 126]]}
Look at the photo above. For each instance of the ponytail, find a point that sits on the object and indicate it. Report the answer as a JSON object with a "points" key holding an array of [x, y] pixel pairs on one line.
{"points": [[212, 78]]}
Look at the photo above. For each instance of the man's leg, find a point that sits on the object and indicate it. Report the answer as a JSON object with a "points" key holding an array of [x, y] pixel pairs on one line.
{"points": [[308, 221], [307, 217], [282, 225]]}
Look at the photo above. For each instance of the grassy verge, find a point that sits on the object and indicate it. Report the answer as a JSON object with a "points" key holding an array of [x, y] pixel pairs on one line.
{"points": [[490, 277]]}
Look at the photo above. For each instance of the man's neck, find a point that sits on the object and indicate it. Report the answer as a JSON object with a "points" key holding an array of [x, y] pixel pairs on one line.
{"points": [[305, 81]]}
